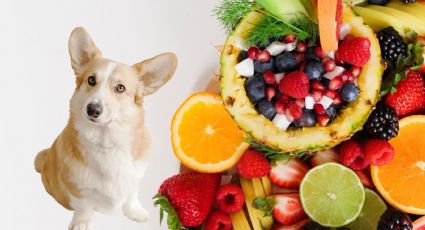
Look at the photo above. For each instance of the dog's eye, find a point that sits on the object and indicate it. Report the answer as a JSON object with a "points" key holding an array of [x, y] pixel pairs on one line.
{"points": [[91, 80], [120, 88]]}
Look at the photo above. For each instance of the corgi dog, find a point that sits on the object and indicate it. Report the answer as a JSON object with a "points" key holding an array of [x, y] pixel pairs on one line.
{"points": [[98, 160]]}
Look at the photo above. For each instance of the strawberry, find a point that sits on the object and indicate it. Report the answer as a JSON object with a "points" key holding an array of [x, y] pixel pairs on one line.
{"points": [[410, 95], [324, 156], [355, 51], [288, 174], [295, 84], [286, 208], [190, 196], [365, 178], [295, 226], [253, 164]]}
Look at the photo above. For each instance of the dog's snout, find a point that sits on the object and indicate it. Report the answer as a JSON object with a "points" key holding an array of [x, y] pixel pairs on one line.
{"points": [[94, 110]]}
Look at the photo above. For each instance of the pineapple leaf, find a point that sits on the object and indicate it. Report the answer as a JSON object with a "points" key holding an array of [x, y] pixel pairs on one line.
{"points": [[274, 154]]}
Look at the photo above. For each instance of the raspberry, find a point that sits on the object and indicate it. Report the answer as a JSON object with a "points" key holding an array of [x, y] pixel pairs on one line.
{"points": [[230, 198], [252, 164], [355, 51], [378, 152], [352, 155], [218, 221], [295, 84]]}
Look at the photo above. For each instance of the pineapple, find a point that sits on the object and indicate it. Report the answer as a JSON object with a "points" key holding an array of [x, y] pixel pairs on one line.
{"points": [[350, 119]]}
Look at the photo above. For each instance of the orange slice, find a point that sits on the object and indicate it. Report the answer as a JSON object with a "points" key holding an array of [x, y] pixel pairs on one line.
{"points": [[402, 181], [205, 138]]}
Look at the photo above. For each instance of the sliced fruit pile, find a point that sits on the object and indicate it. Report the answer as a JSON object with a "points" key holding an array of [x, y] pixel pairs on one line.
{"points": [[304, 134]]}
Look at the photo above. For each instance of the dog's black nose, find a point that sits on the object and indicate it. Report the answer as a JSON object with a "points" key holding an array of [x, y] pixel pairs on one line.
{"points": [[94, 110]]}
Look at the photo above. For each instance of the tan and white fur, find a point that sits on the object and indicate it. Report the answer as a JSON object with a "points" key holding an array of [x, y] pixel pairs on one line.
{"points": [[98, 160]]}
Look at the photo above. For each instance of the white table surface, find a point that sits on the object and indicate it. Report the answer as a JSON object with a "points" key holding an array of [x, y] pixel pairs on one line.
{"points": [[36, 83]]}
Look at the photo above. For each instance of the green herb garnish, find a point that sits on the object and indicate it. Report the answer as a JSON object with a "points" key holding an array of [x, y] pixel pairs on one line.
{"points": [[230, 12]]}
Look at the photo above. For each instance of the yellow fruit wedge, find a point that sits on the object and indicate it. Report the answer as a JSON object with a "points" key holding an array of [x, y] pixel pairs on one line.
{"points": [[253, 189], [378, 20], [239, 221]]}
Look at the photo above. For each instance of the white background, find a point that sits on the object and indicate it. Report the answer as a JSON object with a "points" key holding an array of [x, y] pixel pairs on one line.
{"points": [[36, 83]]}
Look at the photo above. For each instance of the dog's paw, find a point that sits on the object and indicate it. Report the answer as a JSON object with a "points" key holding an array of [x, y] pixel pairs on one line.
{"points": [[79, 226], [136, 213]]}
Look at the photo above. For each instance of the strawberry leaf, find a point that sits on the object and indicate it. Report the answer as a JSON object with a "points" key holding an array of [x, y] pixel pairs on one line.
{"points": [[264, 204], [173, 221]]}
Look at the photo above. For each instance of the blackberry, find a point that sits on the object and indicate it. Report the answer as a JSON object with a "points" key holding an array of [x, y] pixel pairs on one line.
{"points": [[382, 123], [392, 44], [408, 1], [313, 226], [393, 219]]}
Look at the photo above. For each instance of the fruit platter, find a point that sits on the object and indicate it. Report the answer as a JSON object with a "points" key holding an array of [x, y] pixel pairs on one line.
{"points": [[315, 121]]}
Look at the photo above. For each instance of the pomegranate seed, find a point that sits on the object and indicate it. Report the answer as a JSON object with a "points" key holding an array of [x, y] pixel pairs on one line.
{"points": [[336, 83], [300, 102], [319, 109], [253, 52], [317, 94], [329, 65], [270, 92], [421, 40], [289, 38], [264, 56], [301, 47], [317, 85], [347, 76], [299, 57], [319, 52], [356, 71], [337, 100], [301, 66], [296, 111], [284, 98], [269, 77], [289, 116], [280, 107], [322, 119], [331, 93]]}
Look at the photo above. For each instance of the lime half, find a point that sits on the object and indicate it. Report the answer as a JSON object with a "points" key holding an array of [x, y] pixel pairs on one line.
{"points": [[332, 195], [372, 210]]}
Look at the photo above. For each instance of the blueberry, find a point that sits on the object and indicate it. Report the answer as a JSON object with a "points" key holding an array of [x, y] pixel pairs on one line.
{"points": [[266, 108], [242, 56], [378, 2], [255, 88], [349, 92], [314, 70], [310, 55], [325, 82], [332, 111], [308, 119], [261, 67], [286, 62]]}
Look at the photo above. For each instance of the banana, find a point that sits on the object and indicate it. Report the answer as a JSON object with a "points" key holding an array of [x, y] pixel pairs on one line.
{"points": [[414, 9], [253, 189], [267, 185], [239, 221]]}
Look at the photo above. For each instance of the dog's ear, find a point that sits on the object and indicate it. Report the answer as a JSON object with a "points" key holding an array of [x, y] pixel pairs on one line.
{"points": [[81, 49], [156, 71]]}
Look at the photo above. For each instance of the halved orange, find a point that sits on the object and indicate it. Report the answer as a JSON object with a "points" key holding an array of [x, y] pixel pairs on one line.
{"points": [[402, 181], [205, 138]]}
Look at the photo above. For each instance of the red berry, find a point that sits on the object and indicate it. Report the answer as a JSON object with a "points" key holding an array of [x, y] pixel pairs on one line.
{"points": [[269, 77], [253, 164], [319, 109], [336, 83], [289, 115], [355, 70], [322, 119], [270, 92], [348, 37], [347, 76], [300, 103], [317, 85], [284, 98], [288, 173], [301, 66], [301, 47], [352, 155], [329, 65], [317, 94], [337, 100], [289, 38], [295, 84], [319, 52], [218, 221], [253, 52], [230, 198], [331, 93], [295, 111], [280, 107], [264, 56], [355, 51], [378, 152], [299, 57]]}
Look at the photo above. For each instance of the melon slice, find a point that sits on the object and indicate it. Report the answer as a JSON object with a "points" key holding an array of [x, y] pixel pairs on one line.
{"points": [[329, 13]]}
